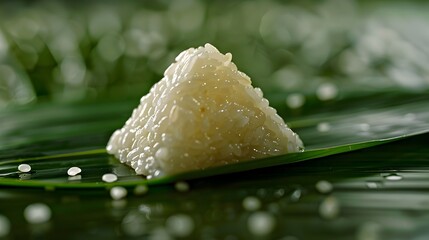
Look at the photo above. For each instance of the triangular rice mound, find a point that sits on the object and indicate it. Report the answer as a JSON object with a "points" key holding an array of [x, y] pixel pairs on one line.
{"points": [[203, 113]]}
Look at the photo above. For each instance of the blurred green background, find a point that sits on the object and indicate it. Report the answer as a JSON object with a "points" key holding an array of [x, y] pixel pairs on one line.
{"points": [[70, 51]]}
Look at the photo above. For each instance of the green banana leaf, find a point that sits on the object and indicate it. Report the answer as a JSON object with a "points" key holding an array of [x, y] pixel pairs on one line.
{"points": [[54, 137], [377, 191]]}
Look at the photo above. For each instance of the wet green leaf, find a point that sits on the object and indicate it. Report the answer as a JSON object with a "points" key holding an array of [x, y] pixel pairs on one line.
{"points": [[52, 138]]}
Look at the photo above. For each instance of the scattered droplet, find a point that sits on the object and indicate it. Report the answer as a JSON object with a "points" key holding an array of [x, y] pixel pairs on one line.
{"points": [[73, 171], [393, 177], [329, 208], [25, 168], [182, 186], [327, 91], [261, 223], [37, 213], [295, 100], [324, 186], [279, 192], [4, 226], [180, 225], [323, 127], [296, 195], [373, 184], [145, 209], [251, 203], [118, 192], [141, 189], [109, 177]]}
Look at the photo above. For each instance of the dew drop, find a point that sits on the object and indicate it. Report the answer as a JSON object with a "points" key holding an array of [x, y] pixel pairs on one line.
{"points": [[180, 225], [324, 186], [25, 168], [373, 184], [37, 213], [295, 100], [296, 195], [261, 223], [327, 91], [134, 224], [329, 208], [251, 203], [279, 192], [323, 127], [118, 192]]}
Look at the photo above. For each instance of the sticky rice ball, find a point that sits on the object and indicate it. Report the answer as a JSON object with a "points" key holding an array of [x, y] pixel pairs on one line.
{"points": [[203, 113]]}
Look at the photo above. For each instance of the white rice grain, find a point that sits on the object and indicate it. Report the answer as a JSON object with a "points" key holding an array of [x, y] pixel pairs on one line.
{"points": [[109, 177], [73, 171], [24, 168]]}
